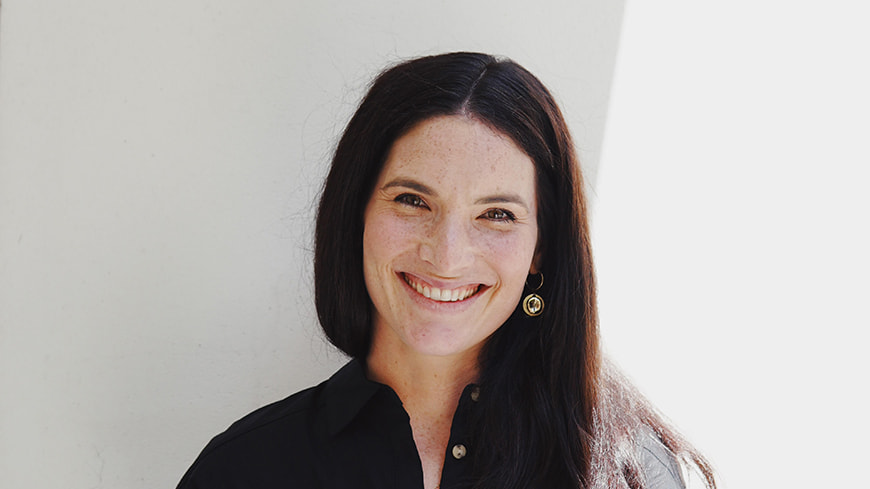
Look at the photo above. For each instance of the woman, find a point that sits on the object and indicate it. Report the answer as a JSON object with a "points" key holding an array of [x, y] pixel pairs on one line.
{"points": [[453, 264]]}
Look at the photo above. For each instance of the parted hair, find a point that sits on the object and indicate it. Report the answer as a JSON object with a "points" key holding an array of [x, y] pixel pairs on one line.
{"points": [[543, 381]]}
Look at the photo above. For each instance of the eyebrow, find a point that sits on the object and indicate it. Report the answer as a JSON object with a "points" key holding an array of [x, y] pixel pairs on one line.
{"points": [[503, 199], [411, 184]]}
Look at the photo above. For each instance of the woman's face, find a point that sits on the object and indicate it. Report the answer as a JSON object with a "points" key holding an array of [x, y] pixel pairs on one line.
{"points": [[450, 236]]}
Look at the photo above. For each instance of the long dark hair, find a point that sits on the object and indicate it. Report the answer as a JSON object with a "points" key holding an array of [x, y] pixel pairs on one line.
{"points": [[541, 378]]}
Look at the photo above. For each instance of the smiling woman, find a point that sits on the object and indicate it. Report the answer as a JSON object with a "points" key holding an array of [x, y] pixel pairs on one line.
{"points": [[454, 191], [449, 237], [453, 216]]}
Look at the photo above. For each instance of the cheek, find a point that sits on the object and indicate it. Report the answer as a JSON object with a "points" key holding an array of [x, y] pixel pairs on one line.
{"points": [[513, 252], [383, 238]]}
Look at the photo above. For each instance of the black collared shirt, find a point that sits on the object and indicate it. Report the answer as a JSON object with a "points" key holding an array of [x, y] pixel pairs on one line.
{"points": [[348, 432]]}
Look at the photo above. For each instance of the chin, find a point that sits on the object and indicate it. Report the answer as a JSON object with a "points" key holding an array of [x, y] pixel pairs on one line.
{"points": [[429, 344]]}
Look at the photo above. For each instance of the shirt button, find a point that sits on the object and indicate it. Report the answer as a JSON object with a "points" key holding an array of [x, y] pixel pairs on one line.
{"points": [[459, 451], [475, 393]]}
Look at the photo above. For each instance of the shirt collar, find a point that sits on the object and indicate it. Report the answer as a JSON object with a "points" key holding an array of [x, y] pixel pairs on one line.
{"points": [[345, 394]]}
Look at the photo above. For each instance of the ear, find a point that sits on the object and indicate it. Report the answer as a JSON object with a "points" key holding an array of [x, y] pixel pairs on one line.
{"points": [[536, 263], [537, 258]]}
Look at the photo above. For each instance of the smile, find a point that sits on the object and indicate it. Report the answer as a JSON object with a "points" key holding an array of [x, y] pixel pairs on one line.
{"points": [[442, 295]]}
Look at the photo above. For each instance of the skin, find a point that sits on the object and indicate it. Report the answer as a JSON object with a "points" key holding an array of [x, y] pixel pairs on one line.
{"points": [[452, 217]]}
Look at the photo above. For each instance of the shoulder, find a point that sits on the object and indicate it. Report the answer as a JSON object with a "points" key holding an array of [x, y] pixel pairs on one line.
{"points": [[627, 433], [285, 443], [660, 467], [279, 418], [258, 442]]}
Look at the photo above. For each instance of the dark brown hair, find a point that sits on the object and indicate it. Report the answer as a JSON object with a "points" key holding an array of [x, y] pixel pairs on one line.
{"points": [[540, 376]]}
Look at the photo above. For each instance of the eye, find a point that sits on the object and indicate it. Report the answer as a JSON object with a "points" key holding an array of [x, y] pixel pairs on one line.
{"points": [[499, 215], [411, 200]]}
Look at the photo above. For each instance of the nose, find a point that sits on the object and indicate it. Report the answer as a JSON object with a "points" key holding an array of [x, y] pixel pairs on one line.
{"points": [[448, 245]]}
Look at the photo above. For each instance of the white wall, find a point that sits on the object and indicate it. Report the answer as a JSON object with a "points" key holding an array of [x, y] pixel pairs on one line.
{"points": [[733, 229], [158, 166]]}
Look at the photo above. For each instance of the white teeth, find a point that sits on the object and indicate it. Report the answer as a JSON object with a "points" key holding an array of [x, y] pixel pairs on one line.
{"points": [[445, 295]]}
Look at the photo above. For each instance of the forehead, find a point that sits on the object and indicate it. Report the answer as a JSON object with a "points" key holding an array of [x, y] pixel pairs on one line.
{"points": [[459, 148]]}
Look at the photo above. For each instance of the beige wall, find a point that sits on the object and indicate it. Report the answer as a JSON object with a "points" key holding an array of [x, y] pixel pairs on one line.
{"points": [[158, 165]]}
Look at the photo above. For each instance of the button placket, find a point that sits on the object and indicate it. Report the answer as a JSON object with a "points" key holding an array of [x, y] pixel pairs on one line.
{"points": [[459, 457], [459, 450]]}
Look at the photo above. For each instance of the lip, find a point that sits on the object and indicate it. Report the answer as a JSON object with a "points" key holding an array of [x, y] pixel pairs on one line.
{"points": [[450, 296]]}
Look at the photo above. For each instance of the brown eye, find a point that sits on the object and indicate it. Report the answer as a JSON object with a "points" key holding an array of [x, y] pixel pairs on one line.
{"points": [[411, 200], [499, 215]]}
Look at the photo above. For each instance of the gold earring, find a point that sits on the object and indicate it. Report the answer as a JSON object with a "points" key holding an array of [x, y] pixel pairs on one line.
{"points": [[533, 304]]}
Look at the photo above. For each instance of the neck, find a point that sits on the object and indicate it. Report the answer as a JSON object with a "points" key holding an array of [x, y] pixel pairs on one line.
{"points": [[429, 387], [435, 381]]}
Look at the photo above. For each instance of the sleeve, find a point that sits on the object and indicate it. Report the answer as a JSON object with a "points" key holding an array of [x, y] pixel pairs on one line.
{"points": [[659, 466]]}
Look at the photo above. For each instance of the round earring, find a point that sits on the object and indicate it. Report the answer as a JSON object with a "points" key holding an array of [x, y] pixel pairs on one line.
{"points": [[533, 304]]}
